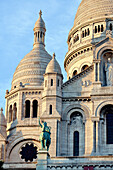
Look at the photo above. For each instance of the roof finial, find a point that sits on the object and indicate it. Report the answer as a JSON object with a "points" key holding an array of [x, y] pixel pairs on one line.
{"points": [[40, 13], [53, 55], [1, 110]]}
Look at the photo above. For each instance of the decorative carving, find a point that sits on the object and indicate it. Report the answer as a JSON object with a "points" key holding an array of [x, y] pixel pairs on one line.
{"points": [[86, 83], [76, 120], [108, 33]]}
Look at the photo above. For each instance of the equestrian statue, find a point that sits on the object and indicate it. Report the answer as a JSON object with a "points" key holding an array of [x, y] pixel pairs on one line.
{"points": [[45, 135]]}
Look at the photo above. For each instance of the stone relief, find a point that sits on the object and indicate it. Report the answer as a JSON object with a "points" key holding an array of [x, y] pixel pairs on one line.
{"points": [[77, 120], [86, 83], [108, 33]]}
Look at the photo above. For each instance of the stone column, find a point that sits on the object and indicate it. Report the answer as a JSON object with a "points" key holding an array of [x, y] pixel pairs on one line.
{"points": [[42, 159], [94, 71], [99, 71], [19, 106], [31, 110], [94, 136], [23, 116], [97, 137]]}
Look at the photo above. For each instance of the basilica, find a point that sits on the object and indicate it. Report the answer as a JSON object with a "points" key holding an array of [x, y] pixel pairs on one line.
{"points": [[79, 111]]}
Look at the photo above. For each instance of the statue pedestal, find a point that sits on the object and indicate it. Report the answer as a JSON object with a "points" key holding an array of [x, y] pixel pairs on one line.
{"points": [[42, 159]]}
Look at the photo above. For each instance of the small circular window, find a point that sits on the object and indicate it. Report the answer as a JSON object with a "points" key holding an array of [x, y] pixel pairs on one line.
{"points": [[28, 152]]}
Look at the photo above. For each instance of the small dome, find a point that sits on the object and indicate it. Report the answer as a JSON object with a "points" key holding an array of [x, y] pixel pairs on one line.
{"points": [[40, 22], [53, 66]]}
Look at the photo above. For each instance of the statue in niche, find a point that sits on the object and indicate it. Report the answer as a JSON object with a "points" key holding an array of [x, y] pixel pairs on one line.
{"points": [[77, 120], [109, 72]]}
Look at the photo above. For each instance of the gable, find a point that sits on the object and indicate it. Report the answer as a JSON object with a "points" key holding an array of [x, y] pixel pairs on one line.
{"points": [[79, 83]]}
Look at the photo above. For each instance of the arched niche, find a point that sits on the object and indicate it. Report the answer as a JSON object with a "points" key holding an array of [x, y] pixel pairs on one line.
{"points": [[107, 68], [83, 109], [106, 129], [76, 133]]}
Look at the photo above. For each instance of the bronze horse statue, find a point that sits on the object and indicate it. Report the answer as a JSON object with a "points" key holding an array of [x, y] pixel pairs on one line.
{"points": [[45, 135]]}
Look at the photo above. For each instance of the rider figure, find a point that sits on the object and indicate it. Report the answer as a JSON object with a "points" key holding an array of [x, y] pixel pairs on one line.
{"points": [[45, 135]]}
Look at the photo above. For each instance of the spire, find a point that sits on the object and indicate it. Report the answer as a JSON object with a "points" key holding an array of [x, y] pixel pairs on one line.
{"points": [[39, 31], [40, 13], [1, 110], [54, 55]]}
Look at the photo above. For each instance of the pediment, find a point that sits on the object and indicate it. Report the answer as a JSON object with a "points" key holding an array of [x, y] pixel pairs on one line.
{"points": [[76, 81]]}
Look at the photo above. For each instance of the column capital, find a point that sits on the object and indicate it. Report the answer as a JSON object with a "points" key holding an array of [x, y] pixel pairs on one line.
{"points": [[95, 119]]}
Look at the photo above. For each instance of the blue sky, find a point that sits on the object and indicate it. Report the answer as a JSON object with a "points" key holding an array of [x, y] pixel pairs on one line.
{"points": [[17, 19]]}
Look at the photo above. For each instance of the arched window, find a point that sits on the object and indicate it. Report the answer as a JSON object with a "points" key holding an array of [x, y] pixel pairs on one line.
{"points": [[75, 73], [107, 120], [76, 143], [109, 128], [111, 27], [88, 31], [14, 111], [51, 82], [50, 109], [10, 114], [35, 108], [95, 29], [102, 28], [27, 109], [41, 35], [84, 67]]}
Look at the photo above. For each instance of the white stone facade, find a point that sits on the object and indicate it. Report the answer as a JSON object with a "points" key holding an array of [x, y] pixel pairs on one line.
{"points": [[78, 111]]}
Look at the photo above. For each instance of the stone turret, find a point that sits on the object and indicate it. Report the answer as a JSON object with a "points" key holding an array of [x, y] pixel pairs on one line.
{"points": [[39, 31], [52, 87]]}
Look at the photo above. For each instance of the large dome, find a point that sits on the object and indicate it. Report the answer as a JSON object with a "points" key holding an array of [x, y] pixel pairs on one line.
{"points": [[93, 21], [31, 68], [92, 9]]}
